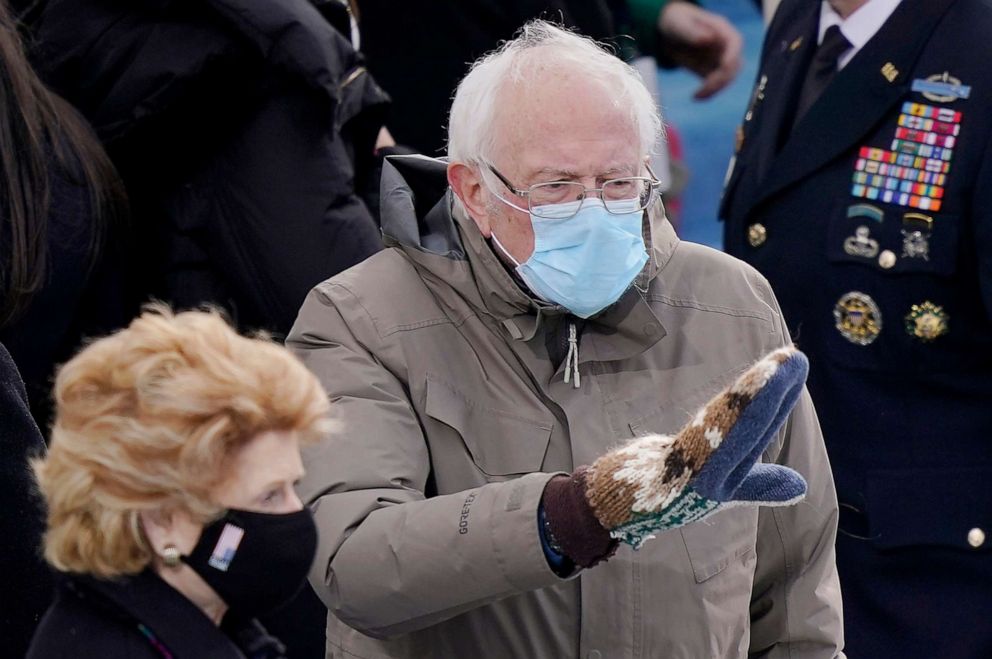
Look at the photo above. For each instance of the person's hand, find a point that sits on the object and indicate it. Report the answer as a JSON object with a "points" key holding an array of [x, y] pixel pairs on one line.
{"points": [[703, 42], [383, 140], [661, 482]]}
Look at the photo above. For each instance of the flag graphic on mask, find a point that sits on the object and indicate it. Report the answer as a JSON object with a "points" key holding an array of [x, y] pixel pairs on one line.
{"points": [[226, 547]]}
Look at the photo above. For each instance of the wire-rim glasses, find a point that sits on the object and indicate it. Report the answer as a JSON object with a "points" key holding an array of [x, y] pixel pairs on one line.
{"points": [[563, 199]]}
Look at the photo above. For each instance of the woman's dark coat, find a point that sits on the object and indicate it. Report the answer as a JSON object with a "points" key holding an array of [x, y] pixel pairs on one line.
{"points": [[140, 617], [26, 590]]}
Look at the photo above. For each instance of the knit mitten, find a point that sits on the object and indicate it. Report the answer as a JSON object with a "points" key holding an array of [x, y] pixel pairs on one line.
{"points": [[661, 482]]}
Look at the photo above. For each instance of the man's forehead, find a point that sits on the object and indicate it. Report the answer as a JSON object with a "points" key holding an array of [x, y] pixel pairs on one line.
{"points": [[574, 170], [564, 127]]}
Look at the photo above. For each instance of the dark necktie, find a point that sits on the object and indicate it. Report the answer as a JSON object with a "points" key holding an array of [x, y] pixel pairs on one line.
{"points": [[822, 69]]}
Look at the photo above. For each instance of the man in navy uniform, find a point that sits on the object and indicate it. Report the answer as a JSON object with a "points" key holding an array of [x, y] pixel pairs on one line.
{"points": [[862, 188]]}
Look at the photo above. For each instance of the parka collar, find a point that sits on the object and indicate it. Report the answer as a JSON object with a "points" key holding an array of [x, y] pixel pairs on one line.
{"points": [[464, 260]]}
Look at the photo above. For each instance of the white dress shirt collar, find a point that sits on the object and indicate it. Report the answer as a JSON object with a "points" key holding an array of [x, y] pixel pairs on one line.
{"points": [[859, 27]]}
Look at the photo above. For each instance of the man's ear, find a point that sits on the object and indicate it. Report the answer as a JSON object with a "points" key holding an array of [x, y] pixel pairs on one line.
{"points": [[466, 183]]}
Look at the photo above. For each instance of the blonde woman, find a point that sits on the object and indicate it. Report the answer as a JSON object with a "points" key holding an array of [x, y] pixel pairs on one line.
{"points": [[171, 510]]}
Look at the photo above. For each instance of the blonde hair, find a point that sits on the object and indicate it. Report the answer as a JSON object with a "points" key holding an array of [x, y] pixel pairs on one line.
{"points": [[148, 418]]}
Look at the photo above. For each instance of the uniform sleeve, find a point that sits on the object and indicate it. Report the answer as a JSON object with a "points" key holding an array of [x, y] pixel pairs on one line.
{"points": [[981, 211], [390, 559], [796, 602]]}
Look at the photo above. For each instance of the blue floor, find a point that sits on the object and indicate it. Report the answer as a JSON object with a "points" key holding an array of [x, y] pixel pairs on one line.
{"points": [[707, 127]]}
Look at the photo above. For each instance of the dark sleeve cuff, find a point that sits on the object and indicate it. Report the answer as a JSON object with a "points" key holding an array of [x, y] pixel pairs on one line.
{"points": [[559, 563]]}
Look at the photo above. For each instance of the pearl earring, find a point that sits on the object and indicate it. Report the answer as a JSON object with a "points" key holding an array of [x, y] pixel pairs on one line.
{"points": [[171, 556]]}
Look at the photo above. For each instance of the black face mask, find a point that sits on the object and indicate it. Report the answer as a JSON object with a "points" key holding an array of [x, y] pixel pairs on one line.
{"points": [[255, 561]]}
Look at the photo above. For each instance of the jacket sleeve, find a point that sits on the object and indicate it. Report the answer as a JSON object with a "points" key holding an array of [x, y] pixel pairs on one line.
{"points": [[392, 560], [796, 607]]}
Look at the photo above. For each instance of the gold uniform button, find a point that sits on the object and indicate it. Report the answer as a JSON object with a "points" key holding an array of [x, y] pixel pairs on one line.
{"points": [[756, 235], [887, 259], [976, 537]]}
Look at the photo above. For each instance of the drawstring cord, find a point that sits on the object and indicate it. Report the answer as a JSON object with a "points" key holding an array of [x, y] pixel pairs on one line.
{"points": [[572, 358]]}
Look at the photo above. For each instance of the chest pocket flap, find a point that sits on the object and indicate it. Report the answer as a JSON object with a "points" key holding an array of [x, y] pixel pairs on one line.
{"points": [[501, 442]]}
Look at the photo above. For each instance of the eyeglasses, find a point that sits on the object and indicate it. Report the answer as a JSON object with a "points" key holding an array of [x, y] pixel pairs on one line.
{"points": [[629, 194]]}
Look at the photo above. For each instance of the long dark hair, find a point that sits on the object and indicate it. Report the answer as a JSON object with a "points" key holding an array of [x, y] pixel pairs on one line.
{"points": [[41, 137]]}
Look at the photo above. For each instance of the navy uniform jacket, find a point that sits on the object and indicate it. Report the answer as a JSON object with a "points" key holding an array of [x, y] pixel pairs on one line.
{"points": [[873, 222]]}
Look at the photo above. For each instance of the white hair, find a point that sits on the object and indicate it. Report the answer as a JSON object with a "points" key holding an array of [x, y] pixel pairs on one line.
{"points": [[539, 47]]}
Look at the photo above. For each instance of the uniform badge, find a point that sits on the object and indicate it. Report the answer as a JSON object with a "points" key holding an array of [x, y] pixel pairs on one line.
{"points": [[916, 235], [861, 244], [866, 210], [941, 88], [926, 321], [916, 245], [857, 318], [890, 72]]}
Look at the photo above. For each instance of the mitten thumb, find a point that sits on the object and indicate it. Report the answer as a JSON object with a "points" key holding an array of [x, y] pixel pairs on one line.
{"points": [[771, 485]]}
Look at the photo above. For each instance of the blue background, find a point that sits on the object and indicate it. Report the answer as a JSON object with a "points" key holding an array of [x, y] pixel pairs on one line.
{"points": [[707, 127]]}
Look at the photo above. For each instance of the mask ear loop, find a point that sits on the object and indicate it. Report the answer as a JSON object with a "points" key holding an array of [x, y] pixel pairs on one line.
{"points": [[503, 249]]}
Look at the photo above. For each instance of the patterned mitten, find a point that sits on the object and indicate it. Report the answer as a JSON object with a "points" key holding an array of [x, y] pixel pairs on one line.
{"points": [[662, 482]]}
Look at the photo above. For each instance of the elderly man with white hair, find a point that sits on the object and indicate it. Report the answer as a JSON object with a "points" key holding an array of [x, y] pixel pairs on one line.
{"points": [[511, 376]]}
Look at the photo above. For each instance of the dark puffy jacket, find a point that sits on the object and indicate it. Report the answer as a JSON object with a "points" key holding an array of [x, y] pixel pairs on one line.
{"points": [[239, 128]]}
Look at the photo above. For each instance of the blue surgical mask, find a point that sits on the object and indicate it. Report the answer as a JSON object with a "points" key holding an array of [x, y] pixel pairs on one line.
{"points": [[586, 261]]}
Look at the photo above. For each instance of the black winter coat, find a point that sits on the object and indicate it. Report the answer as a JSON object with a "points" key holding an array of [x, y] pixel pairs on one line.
{"points": [[440, 39], [139, 617], [236, 126], [27, 582]]}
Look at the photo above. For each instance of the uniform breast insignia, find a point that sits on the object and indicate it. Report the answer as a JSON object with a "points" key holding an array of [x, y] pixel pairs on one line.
{"points": [[866, 210], [941, 88], [913, 170], [757, 96], [857, 318], [890, 72], [861, 243], [916, 229], [926, 321]]}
